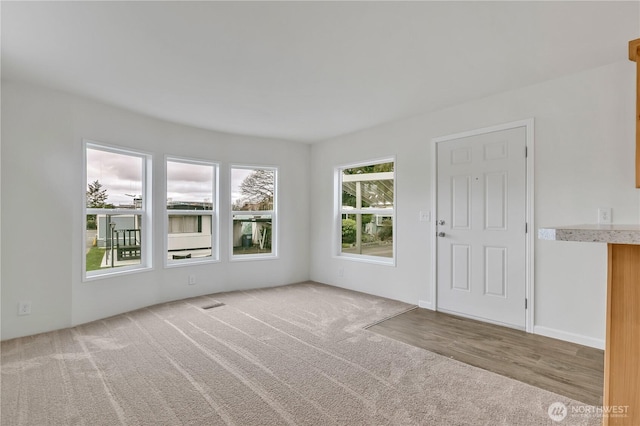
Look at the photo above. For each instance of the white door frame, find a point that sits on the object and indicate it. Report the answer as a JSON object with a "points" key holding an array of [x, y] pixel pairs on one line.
{"points": [[528, 124]]}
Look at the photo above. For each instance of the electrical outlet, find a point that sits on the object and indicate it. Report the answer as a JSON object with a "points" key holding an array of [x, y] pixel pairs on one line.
{"points": [[24, 307], [604, 215], [192, 279], [341, 272], [424, 216]]}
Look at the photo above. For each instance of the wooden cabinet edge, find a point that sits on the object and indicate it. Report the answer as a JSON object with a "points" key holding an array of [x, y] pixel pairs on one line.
{"points": [[607, 350], [622, 372], [633, 49], [634, 54]]}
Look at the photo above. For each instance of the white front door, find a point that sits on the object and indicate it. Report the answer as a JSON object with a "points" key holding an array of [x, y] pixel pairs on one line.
{"points": [[481, 225]]}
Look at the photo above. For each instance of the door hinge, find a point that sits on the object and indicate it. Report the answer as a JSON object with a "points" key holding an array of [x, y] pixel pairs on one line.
{"points": [[525, 303], [526, 152], [526, 227]]}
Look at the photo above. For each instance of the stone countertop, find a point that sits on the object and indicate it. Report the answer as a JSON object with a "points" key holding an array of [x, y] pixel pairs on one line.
{"points": [[613, 234]]}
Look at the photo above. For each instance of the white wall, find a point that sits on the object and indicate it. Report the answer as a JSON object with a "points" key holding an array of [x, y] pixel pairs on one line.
{"points": [[584, 159], [42, 196]]}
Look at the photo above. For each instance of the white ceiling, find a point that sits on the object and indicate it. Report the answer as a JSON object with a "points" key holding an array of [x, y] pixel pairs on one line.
{"points": [[304, 71]]}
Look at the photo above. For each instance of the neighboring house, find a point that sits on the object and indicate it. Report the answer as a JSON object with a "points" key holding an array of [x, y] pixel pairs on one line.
{"points": [[189, 235], [105, 231]]}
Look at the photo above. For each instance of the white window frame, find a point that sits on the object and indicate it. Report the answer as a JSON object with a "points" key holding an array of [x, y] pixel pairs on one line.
{"points": [[339, 211], [213, 213], [145, 211], [273, 213]]}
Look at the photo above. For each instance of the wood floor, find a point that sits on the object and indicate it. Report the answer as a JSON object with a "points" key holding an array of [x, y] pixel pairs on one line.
{"points": [[565, 368]]}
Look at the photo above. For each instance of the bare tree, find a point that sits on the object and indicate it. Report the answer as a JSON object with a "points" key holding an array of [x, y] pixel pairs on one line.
{"points": [[257, 190]]}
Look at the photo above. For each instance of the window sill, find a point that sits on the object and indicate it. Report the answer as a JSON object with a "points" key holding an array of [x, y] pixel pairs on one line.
{"points": [[249, 257], [189, 262], [115, 273], [374, 260]]}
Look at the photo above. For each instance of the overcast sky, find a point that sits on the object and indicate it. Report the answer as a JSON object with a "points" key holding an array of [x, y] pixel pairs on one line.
{"points": [[237, 176], [119, 174], [189, 182], [122, 174]]}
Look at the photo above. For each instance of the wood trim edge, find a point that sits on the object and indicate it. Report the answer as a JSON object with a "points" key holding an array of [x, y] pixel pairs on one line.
{"points": [[607, 350], [634, 55], [634, 45], [638, 116]]}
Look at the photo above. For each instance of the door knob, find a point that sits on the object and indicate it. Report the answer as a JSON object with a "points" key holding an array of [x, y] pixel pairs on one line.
{"points": [[441, 234], [441, 222]]}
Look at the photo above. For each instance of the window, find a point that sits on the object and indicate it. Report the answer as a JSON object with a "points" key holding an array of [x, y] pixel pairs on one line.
{"points": [[191, 211], [185, 225], [366, 211], [117, 211], [253, 205]]}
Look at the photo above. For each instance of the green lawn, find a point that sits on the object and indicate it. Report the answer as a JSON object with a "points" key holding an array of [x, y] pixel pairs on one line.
{"points": [[94, 258]]}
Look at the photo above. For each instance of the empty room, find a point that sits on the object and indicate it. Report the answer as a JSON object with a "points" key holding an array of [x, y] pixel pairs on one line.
{"points": [[320, 213]]}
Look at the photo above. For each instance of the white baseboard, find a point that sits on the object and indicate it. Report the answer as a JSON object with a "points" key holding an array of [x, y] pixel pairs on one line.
{"points": [[569, 337], [425, 304]]}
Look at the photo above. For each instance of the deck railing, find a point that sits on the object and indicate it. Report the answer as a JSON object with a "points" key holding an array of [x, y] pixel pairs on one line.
{"points": [[127, 243]]}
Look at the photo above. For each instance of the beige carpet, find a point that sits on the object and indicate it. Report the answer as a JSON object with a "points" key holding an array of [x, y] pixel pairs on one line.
{"points": [[294, 355]]}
